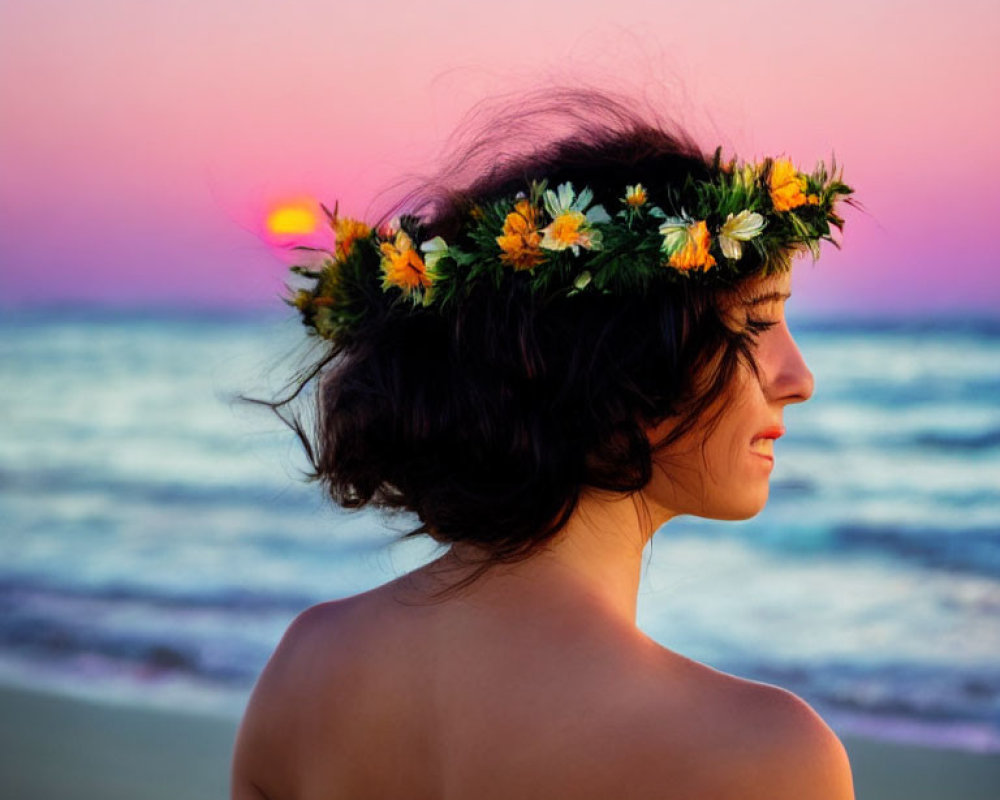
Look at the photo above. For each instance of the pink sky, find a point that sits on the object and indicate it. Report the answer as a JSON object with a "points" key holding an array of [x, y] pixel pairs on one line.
{"points": [[142, 143]]}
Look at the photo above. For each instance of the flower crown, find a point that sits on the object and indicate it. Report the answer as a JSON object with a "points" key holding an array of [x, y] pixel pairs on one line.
{"points": [[748, 219]]}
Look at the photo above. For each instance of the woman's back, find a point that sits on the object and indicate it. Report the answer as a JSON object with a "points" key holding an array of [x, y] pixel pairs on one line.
{"points": [[501, 693]]}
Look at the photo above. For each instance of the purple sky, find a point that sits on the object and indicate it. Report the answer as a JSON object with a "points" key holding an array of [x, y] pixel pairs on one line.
{"points": [[143, 144]]}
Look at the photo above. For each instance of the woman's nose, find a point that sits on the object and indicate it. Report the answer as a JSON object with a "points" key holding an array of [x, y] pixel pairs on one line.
{"points": [[790, 379]]}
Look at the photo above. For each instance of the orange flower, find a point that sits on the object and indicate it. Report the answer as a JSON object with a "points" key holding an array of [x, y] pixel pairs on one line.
{"points": [[694, 253], [570, 227], [347, 232], [402, 265], [564, 232], [788, 187], [635, 196], [521, 239]]}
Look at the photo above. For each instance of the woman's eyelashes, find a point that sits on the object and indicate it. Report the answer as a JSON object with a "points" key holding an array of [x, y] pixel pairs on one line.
{"points": [[763, 316], [765, 312]]}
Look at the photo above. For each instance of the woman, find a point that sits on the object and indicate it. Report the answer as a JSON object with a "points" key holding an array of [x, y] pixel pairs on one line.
{"points": [[545, 365]]}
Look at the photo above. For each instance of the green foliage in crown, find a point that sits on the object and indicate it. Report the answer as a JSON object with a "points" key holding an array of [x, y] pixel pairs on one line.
{"points": [[749, 219]]}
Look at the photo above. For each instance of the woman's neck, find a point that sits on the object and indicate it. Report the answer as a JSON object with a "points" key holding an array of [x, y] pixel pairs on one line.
{"points": [[593, 564]]}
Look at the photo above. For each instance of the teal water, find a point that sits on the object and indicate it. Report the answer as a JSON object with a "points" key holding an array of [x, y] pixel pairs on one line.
{"points": [[156, 538]]}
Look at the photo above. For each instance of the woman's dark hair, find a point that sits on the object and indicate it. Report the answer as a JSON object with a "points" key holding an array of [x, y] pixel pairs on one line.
{"points": [[490, 420]]}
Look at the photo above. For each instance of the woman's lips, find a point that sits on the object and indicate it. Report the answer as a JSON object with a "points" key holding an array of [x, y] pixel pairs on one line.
{"points": [[774, 432], [763, 443]]}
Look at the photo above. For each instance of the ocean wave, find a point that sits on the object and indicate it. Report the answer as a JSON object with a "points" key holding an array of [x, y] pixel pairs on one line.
{"points": [[22, 591], [885, 395], [51, 483], [965, 326], [927, 692], [972, 550], [974, 441], [793, 488], [56, 643]]}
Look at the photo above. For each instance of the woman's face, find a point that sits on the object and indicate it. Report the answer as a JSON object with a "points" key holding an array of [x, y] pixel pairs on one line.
{"points": [[727, 475]]}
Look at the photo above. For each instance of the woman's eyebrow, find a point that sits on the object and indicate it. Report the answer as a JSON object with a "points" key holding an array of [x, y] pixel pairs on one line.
{"points": [[766, 298]]}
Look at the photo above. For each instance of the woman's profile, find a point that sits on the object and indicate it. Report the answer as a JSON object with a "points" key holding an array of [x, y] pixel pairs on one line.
{"points": [[545, 359]]}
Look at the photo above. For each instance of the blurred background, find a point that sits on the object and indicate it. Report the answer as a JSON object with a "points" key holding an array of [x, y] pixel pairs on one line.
{"points": [[156, 537]]}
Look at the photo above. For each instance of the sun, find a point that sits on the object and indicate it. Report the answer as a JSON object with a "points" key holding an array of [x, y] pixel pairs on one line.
{"points": [[292, 219]]}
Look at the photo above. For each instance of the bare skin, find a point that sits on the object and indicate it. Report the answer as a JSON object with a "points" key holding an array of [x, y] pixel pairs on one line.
{"points": [[534, 682]]}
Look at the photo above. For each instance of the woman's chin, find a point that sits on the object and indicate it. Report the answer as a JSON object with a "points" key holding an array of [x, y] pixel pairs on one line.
{"points": [[740, 508]]}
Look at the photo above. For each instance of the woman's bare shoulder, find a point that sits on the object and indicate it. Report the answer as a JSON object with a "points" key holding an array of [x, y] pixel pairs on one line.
{"points": [[684, 725], [752, 740], [304, 656], [802, 756], [296, 680]]}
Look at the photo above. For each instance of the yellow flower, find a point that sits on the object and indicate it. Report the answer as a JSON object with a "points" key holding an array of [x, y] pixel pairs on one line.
{"points": [[567, 230], [787, 186], [570, 226], [635, 196], [687, 244], [347, 232], [695, 252], [521, 240], [741, 228], [402, 265]]}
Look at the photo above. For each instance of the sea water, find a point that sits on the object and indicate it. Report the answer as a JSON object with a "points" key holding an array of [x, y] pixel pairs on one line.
{"points": [[156, 536]]}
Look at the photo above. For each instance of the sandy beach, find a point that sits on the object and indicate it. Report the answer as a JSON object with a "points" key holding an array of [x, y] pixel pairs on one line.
{"points": [[52, 747], [67, 749]]}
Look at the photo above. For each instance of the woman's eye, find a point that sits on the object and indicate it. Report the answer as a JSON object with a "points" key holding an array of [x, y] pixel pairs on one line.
{"points": [[765, 315], [758, 324]]}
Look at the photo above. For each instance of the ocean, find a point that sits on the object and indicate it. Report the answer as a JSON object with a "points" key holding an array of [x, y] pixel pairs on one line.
{"points": [[156, 536]]}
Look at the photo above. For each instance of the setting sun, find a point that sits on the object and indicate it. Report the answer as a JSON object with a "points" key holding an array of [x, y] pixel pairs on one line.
{"points": [[292, 220]]}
